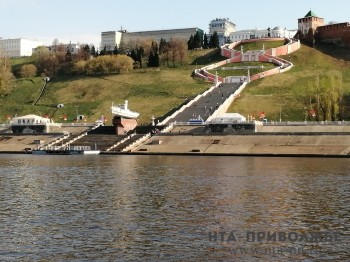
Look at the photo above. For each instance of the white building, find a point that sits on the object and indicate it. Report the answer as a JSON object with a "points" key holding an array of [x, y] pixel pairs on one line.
{"points": [[111, 38], [18, 47], [228, 118], [277, 32], [223, 27], [32, 124]]}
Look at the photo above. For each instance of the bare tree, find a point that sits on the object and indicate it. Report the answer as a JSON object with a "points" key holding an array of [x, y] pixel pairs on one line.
{"points": [[178, 50]]}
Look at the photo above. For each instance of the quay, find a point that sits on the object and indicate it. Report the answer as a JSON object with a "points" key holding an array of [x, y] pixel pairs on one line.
{"points": [[279, 139]]}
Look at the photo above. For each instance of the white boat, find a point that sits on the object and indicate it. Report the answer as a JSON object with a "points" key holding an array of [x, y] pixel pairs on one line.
{"points": [[76, 150], [123, 111], [65, 152], [85, 152]]}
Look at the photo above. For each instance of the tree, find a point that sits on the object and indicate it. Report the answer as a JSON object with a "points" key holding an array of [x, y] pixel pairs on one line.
{"points": [[162, 45], [104, 65], [6, 76], [28, 70], [197, 41], [153, 57], [104, 51], [182, 51], [190, 43], [84, 53], [79, 67], [205, 41], [178, 50], [40, 50], [115, 51], [93, 51], [326, 96], [214, 41], [48, 64]]}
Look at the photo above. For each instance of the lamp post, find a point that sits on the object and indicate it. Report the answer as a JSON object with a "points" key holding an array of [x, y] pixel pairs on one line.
{"points": [[76, 108], [280, 113]]}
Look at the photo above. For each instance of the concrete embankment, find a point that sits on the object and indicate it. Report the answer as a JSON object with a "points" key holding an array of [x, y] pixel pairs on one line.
{"points": [[270, 140], [305, 141], [248, 144]]}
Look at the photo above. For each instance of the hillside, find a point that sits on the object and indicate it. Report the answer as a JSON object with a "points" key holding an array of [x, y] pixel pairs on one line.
{"points": [[282, 93], [149, 91], [157, 91]]}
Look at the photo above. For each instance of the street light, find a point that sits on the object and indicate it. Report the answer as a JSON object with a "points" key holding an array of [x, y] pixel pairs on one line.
{"points": [[76, 108], [280, 113]]}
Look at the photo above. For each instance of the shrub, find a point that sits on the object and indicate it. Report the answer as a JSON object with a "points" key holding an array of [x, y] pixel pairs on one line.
{"points": [[28, 70]]}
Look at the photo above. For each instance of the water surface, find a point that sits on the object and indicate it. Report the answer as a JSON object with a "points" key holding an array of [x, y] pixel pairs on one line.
{"points": [[169, 208]]}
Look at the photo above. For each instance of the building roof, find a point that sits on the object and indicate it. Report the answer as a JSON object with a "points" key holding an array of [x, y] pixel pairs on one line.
{"points": [[310, 14], [29, 116], [277, 28]]}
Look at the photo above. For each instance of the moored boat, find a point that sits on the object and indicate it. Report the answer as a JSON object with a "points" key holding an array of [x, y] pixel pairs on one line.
{"points": [[76, 150]]}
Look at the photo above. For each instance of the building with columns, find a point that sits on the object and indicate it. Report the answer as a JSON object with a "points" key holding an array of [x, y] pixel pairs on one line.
{"points": [[276, 32]]}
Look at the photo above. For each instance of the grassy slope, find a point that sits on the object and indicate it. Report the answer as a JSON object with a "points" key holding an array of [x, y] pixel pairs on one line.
{"points": [[149, 91], [155, 92], [283, 91]]}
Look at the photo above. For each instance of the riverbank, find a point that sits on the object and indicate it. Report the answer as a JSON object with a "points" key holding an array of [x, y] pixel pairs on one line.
{"points": [[286, 140]]}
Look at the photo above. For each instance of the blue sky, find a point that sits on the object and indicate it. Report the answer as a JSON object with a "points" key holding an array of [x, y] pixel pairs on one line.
{"points": [[83, 20]]}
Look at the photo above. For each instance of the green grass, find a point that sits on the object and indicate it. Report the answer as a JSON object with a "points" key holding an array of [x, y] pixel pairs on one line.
{"points": [[242, 72], [284, 91], [205, 57], [18, 62], [152, 92], [260, 45], [157, 91]]}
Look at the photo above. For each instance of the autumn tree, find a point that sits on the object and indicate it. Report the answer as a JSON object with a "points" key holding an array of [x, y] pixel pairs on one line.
{"points": [[28, 70], [162, 45], [164, 51], [178, 50], [84, 53], [6, 76], [104, 65], [182, 51], [47, 64]]}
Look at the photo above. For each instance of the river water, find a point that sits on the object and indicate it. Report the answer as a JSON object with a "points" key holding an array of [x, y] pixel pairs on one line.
{"points": [[173, 208]]}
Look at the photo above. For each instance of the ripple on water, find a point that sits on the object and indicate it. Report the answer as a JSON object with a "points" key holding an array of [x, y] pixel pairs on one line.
{"points": [[163, 208]]}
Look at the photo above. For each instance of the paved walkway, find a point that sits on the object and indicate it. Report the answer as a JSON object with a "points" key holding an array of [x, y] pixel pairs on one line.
{"points": [[207, 104]]}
